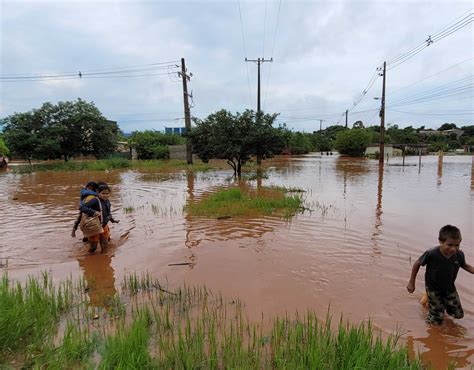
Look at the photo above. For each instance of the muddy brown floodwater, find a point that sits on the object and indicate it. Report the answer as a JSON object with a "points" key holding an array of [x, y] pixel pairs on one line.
{"points": [[352, 252]]}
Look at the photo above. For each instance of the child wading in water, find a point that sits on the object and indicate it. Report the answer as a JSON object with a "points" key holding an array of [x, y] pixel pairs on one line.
{"points": [[87, 192], [100, 206], [442, 266]]}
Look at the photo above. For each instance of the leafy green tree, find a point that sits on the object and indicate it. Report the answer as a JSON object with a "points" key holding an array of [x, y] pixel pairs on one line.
{"points": [[62, 130], [236, 138], [4, 151], [407, 135], [321, 142], [352, 142], [151, 144], [436, 146], [447, 126], [21, 134], [300, 143]]}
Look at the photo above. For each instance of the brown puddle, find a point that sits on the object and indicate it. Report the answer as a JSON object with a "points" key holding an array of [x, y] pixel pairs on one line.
{"points": [[352, 252]]}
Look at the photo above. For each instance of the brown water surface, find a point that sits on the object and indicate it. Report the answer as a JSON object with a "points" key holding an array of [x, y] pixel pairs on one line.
{"points": [[353, 251]]}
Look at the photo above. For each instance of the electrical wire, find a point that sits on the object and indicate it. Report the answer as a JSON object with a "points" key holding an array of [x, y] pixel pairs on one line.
{"points": [[435, 74], [245, 51], [264, 27], [273, 51], [84, 77], [444, 32], [117, 73], [453, 113]]}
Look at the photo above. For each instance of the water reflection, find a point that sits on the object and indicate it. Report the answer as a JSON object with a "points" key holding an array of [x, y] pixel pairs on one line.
{"points": [[99, 275], [378, 209], [440, 168], [352, 168], [442, 346], [199, 229], [472, 173]]}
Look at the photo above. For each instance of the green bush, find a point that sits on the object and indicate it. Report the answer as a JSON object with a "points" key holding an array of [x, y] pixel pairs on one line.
{"points": [[352, 142]]}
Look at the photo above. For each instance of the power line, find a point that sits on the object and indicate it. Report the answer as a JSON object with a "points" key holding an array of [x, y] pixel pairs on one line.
{"points": [[435, 74], [83, 77], [245, 50], [273, 51], [114, 73], [264, 27], [444, 32], [451, 87], [452, 113]]}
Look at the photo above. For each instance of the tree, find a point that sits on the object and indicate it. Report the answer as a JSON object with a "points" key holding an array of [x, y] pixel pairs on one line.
{"points": [[62, 130], [321, 142], [352, 142], [4, 151], [21, 134], [358, 124], [447, 126], [151, 144], [407, 135], [300, 143], [236, 138]]}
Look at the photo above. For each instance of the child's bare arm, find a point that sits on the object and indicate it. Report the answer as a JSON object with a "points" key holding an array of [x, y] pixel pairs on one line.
{"points": [[414, 272], [468, 268]]}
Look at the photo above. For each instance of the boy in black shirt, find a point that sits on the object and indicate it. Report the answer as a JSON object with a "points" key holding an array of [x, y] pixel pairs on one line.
{"points": [[442, 266]]}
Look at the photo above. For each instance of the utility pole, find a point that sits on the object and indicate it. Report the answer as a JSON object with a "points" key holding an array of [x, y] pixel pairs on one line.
{"points": [[259, 61], [347, 111], [187, 114], [382, 119], [320, 124]]}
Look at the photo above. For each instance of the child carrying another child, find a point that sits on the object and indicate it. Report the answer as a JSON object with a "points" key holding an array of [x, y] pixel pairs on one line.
{"points": [[90, 190], [442, 266], [100, 206]]}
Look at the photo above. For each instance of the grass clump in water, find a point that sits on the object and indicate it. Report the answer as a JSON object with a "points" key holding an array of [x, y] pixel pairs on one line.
{"points": [[247, 202], [189, 327]]}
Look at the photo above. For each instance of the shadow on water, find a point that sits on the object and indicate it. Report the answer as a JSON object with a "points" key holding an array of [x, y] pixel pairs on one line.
{"points": [[99, 276]]}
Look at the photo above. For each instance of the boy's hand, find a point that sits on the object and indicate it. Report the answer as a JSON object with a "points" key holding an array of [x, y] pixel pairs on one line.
{"points": [[411, 287]]}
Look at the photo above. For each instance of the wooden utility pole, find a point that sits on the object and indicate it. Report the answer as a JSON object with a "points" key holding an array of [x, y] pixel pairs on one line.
{"points": [[347, 111], [382, 119], [187, 114], [259, 61]]}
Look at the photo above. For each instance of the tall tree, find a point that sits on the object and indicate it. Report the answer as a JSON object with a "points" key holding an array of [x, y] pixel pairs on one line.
{"points": [[61, 131], [237, 138]]}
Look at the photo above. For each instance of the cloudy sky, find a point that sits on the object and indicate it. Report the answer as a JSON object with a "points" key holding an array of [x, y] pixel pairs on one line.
{"points": [[325, 55]]}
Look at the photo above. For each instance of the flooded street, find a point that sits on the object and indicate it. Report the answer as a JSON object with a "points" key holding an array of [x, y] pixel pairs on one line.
{"points": [[351, 252]]}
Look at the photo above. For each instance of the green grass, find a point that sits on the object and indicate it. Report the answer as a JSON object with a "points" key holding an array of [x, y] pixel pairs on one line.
{"points": [[189, 327], [98, 165], [113, 163], [235, 202]]}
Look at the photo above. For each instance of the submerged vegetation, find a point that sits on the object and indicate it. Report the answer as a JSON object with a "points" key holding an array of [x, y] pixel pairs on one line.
{"points": [[111, 164], [246, 201], [148, 326]]}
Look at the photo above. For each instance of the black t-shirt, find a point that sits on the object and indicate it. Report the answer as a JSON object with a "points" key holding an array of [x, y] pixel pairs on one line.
{"points": [[441, 272]]}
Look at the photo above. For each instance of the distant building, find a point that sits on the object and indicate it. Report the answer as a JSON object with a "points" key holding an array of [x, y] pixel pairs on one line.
{"points": [[175, 130], [456, 131], [389, 150]]}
